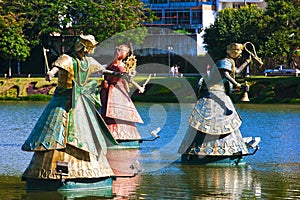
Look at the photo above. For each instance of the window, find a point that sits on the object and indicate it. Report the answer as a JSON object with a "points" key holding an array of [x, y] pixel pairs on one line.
{"points": [[171, 17], [183, 17], [196, 17], [158, 1]]}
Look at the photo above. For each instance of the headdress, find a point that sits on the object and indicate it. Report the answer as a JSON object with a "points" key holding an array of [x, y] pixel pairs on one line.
{"points": [[123, 47], [235, 46], [87, 41]]}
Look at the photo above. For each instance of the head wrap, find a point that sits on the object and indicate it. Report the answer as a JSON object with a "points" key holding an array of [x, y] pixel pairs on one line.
{"points": [[86, 41], [123, 47]]}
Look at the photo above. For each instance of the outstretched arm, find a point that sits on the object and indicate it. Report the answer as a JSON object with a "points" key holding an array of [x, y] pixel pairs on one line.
{"points": [[242, 67], [50, 74], [137, 86], [112, 73], [230, 79]]}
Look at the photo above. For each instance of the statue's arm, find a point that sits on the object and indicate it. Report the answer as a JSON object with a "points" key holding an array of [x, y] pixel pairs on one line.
{"points": [[230, 79], [243, 66], [63, 62], [96, 67], [50, 74]]}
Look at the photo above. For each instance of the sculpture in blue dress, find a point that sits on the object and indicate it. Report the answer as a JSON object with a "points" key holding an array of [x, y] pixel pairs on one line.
{"points": [[213, 135]]}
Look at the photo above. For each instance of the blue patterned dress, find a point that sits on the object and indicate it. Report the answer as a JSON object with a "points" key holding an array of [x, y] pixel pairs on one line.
{"points": [[214, 122]]}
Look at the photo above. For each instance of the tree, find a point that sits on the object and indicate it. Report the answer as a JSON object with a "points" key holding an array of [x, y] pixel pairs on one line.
{"points": [[282, 20], [233, 25], [13, 44], [102, 18], [274, 31]]}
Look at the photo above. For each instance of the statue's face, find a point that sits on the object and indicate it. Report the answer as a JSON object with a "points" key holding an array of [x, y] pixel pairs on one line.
{"points": [[123, 52], [89, 49], [235, 52], [84, 48]]}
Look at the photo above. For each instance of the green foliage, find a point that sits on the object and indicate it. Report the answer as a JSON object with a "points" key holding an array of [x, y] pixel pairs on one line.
{"points": [[13, 44], [135, 36], [274, 31], [38, 16], [282, 29], [233, 25], [120, 16], [180, 31], [102, 18], [37, 97]]}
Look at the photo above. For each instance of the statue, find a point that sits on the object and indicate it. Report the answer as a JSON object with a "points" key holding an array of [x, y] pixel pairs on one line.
{"points": [[70, 138], [118, 110], [213, 136]]}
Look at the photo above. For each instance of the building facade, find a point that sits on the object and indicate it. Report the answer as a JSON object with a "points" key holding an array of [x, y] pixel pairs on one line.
{"points": [[191, 16], [238, 3], [188, 15]]}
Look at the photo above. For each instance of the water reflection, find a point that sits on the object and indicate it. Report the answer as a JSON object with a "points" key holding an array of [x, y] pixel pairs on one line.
{"points": [[124, 188], [124, 162], [199, 182], [32, 195], [222, 183]]}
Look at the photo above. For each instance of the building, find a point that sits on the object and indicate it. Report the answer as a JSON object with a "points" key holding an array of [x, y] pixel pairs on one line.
{"points": [[191, 16], [238, 3], [188, 15]]}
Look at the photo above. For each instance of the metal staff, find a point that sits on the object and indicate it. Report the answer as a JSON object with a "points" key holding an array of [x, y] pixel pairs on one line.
{"points": [[46, 59]]}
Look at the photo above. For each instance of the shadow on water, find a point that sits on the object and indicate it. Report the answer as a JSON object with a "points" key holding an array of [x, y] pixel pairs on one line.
{"points": [[272, 173]]}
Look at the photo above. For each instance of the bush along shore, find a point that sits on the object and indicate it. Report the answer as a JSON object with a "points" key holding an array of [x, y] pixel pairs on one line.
{"points": [[163, 89]]}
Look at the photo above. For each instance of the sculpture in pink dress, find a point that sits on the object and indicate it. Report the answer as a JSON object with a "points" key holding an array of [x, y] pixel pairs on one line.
{"points": [[117, 109]]}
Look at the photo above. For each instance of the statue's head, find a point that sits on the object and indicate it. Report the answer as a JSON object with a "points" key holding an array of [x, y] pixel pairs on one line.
{"points": [[234, 50], [122, 51], [87, 43]]}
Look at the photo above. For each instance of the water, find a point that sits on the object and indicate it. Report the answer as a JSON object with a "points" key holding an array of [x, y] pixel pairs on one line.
{"points": [[272, 173]]}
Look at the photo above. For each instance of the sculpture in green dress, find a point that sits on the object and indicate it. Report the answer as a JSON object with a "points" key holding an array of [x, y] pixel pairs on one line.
{"points": [[70, 138]]}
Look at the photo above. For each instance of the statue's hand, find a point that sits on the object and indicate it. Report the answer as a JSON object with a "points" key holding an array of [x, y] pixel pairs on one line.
{"points": [[238, 86], [142, 89], [129, 77], [249, 59], [49, 76]]}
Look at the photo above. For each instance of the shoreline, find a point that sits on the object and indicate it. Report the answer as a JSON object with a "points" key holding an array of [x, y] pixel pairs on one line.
{"points": [[263, 90]]}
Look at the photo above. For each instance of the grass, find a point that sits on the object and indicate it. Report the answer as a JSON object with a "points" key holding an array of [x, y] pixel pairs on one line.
{"points": [[165, 89]]}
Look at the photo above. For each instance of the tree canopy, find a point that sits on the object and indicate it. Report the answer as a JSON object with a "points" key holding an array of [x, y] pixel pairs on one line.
{"points": [[26, 24], [282, 19], [13, 44], [102, 18], [233, 25], [274, 31]]}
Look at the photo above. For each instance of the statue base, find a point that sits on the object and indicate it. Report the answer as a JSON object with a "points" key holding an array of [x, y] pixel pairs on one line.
{"points": [[73, 187], [213, 160], [126, 144]]}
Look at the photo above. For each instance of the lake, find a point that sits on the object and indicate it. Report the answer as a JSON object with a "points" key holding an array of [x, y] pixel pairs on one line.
{"points": [[272, 173]]}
